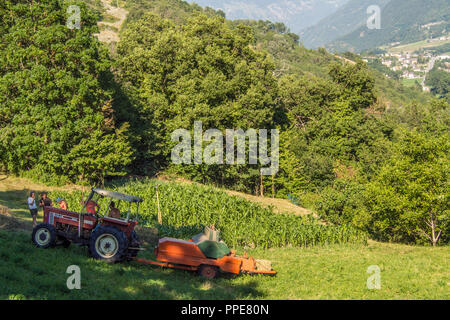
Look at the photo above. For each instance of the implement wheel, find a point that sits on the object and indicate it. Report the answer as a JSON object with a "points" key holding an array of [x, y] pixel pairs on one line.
{"points": [[208, 272]]}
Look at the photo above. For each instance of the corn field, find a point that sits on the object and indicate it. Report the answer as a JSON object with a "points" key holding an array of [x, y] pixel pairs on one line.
{"points": [[186, 209]]}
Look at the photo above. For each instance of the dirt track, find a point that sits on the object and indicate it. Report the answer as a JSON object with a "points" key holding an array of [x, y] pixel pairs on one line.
{"points": [[10, 223], [108, 33]]}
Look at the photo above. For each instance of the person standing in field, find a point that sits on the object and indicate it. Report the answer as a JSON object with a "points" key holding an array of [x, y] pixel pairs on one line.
{"points": [[45, 201], [32, 206]]}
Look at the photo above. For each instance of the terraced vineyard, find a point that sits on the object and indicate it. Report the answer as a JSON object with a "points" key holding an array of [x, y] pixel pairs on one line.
{"points": [[186, 209]]}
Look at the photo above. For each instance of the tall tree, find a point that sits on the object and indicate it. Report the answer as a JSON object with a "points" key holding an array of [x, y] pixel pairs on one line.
{"points": [[203, 70], [331, 121], [409, 199], [55, 113]]}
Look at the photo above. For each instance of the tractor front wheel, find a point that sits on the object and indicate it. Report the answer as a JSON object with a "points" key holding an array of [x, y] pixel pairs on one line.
{"points": [[44, 235], [109, 244], [208, 272]]}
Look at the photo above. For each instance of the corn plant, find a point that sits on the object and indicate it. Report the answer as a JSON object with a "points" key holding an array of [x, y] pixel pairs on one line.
{"points": [[186, 209]]}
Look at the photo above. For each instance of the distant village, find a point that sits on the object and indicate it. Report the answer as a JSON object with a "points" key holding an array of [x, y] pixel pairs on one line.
{"points": [[413, 65]]}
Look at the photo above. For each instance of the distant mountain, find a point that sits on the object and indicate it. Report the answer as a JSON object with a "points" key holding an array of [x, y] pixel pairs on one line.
{"points": [[402, 21], [289, 57], [296, 14], [346, 19]]}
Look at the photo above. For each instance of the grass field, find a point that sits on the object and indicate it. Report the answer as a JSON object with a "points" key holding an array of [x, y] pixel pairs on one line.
{"points": [[411, 47], [411, 82], [335, 272], [325, 272]]}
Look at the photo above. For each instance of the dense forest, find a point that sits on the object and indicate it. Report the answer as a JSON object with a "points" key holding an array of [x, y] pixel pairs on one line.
{"points": [[439, 79], [357, 147]]}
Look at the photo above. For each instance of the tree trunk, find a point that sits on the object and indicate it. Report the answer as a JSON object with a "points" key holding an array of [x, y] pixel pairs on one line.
{"points": [[262, 187], [273, 187], [434, 237], [159, 210]]}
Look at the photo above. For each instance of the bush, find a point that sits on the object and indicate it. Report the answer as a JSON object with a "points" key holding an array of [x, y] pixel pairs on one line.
{"points": [[340, 203]]}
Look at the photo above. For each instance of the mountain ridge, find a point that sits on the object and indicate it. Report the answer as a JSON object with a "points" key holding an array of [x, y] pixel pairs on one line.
{"points": [[346, 19], [402, 21], [297, 15]]}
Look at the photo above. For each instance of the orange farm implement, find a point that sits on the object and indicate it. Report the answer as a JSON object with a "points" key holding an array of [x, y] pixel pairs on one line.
{"points": [[188, 255]]}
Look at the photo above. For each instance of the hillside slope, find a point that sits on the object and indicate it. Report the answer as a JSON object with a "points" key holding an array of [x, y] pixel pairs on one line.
{"points": [[112, 21], [346, 19], [278, 205], [290, 58], [402, 21], [13, 192], [283, 45]]}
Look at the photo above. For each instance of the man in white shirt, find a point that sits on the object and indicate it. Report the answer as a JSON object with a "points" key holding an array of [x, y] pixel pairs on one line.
{"points": [[32, 206]]}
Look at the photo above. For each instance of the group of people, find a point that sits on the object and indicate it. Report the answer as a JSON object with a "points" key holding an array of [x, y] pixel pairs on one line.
{"points": [[91, 206], [45, 201]]}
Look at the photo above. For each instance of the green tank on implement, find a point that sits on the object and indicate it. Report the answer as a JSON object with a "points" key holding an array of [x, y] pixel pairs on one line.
{"points": [[210, 244], [207, 254]]}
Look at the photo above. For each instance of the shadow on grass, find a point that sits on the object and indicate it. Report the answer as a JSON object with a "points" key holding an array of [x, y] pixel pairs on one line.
{"points": [[41, 274], [163, 283]]}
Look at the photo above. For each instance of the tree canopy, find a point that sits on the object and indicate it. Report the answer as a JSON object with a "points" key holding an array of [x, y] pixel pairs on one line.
{"points": [[203, 71], [55, 106]]}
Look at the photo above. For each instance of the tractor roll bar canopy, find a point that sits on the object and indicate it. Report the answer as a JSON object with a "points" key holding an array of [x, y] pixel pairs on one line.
{"points": [[117, 195]]}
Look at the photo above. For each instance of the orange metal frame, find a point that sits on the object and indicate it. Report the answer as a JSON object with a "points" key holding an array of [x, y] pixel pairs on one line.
{"points": [[181, 254]]}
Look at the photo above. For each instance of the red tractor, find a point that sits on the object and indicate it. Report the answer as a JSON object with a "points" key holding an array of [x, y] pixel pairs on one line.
{"points": [[109, 239]]}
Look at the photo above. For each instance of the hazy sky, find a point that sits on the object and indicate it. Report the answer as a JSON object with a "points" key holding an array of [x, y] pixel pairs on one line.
{"points": [[297, 14]]}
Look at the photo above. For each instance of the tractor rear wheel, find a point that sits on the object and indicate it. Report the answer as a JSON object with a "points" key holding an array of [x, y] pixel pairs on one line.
{"points": [[109, 244], [208, 272], [44, 235]]}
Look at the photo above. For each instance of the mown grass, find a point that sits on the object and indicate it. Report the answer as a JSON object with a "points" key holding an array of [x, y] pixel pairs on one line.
{"points": [[332, 272], [30, 273]]}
